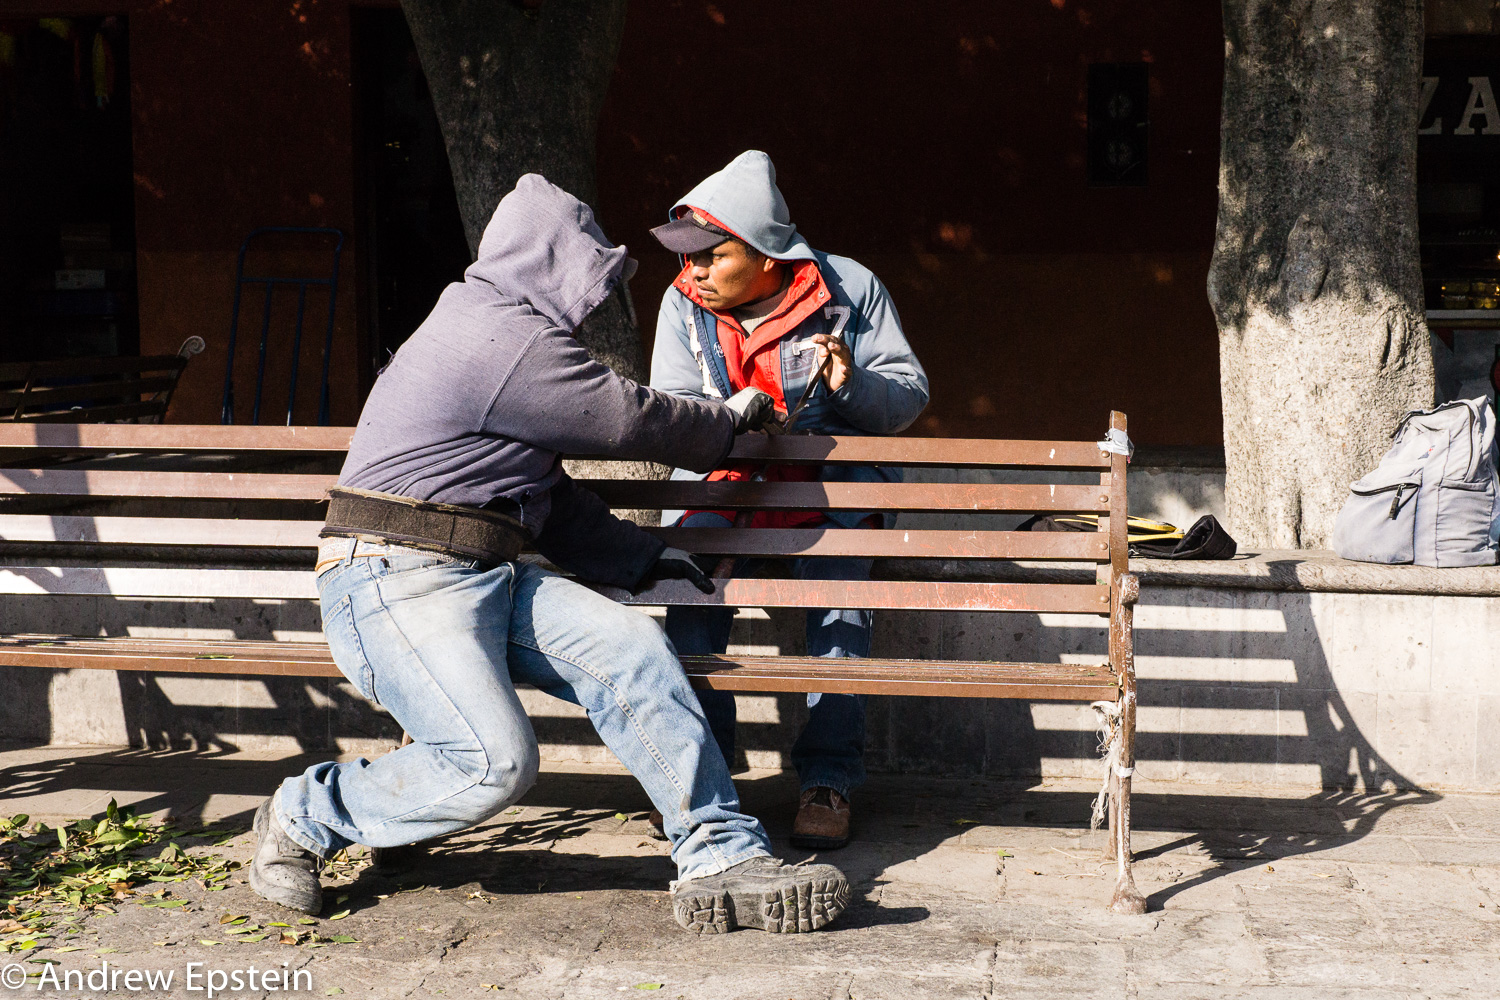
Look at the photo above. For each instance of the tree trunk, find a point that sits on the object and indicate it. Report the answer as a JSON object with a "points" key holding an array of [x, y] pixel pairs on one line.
{"points": [[1315, 280], [517, 87]]}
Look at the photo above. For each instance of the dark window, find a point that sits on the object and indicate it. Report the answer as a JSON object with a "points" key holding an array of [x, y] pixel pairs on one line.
{"points": [[1119, 124]]}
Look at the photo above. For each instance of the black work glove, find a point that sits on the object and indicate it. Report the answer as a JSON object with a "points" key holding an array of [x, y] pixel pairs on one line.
{"points": [[675, 564], [751, 409]]}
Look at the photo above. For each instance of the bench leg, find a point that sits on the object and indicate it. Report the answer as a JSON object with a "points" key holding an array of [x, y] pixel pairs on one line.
{"points": [[1127, 898]]}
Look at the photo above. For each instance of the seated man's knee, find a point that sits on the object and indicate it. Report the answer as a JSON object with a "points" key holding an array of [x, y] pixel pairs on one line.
{"points": [[498, 774]]}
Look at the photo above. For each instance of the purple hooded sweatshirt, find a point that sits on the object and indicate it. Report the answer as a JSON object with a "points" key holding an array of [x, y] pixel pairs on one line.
{"points": [[480, 405]]}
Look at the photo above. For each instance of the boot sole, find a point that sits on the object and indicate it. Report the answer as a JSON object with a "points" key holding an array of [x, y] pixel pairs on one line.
{"points": [[799, 908]]}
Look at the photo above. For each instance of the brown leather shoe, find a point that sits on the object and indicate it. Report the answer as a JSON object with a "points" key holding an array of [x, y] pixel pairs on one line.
{"points": [[822, 820], [658, 825]]}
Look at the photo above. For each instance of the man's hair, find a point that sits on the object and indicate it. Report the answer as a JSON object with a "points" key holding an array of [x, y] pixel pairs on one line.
{"points": [[750, 251]]}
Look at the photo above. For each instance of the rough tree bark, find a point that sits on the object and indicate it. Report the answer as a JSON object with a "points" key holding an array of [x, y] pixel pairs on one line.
{"points": [[517, 87], [1315, 279]]}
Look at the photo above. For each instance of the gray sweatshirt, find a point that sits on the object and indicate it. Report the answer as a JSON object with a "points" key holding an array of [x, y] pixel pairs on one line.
{"points": [[480, 405]]}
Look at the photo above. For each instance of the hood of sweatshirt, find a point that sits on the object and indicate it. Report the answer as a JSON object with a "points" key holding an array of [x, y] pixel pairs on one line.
{"points": [[543, 247], [744, 199]]}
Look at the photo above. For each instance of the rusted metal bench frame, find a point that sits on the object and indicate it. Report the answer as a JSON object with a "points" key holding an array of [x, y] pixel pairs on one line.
{"points": [[44, 461]]}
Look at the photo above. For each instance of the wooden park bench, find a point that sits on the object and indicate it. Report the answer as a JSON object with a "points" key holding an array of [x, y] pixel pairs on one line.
{"points": [[93, 390], [130, 511]]}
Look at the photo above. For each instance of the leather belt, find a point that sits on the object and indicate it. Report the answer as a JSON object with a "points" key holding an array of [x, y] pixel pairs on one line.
{"points": [[452, 529]]}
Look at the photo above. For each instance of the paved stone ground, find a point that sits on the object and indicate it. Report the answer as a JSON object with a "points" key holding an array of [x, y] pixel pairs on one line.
{"points": [[962, 888]]}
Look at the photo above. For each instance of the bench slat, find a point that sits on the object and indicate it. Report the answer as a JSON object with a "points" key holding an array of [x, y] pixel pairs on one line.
{"points": [[42, 372], [960, 678], [177, 437], [10, 398], [299, 584], [883, 544], [788, 542], [878, 595], [617, 493], [177, 485], [206, 531], [789, 449], [962, 453], [923, 497], [117, 411]]}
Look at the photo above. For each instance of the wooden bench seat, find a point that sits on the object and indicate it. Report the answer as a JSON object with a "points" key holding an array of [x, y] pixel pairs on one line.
{"points": [[232, 512]]}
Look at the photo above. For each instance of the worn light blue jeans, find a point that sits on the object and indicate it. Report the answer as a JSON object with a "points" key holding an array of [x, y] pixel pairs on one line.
{"points": [[441, 644], [829, 753]]}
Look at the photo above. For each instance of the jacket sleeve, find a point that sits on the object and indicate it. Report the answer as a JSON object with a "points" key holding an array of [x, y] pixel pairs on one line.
{"points": [[584, 538], [887, 387], [674, 369], [559, 398]]}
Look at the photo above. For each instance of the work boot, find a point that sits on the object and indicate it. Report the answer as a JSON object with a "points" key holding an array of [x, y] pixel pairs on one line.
{"points": [[822, 822], [284, 871], [763, 893]]}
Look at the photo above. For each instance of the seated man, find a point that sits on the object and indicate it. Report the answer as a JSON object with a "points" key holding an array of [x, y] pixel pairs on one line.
{"points": [[455, 464], [756, 307]]}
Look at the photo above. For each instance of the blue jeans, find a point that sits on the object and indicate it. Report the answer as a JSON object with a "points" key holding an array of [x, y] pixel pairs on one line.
{"points": [[829, 753], [441, 644]]}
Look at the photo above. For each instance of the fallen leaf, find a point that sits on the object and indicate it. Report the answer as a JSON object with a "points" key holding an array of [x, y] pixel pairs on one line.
{"points": [[1002, 854], [71, 947], [1321, 875], [253, 938], [966, 822], [339, 915], [306, 920], [288, 939], [105, 951], [335, 991], [1269, 868], [344, 939], [277, 923], [648, 986], [621, 817], [208, 941]]}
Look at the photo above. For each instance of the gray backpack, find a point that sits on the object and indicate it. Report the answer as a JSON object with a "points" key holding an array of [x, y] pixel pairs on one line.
{"points": [[1433, 498]]}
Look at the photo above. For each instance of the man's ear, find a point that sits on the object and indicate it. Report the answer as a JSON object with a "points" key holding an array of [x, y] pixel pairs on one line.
{"points": [[769, 264]]}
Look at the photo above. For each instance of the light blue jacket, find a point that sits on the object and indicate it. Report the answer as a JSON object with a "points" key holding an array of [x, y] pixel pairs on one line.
{"points": [[887, 388]]}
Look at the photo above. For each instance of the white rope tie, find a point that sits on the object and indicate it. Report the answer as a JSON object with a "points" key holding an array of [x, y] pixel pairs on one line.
{"points": [[1117, 442], [1110, 744]]}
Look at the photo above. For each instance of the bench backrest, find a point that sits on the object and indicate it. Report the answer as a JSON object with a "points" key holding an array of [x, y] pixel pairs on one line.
{"points": [[120, 497], [87, 390]]}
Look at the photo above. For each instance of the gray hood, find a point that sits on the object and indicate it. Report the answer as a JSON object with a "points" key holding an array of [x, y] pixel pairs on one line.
{"points": [[745, 198], [543, 247]]}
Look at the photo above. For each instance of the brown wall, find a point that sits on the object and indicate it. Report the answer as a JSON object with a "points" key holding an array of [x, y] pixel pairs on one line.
{"points": [[942, 145], [243, 118]]}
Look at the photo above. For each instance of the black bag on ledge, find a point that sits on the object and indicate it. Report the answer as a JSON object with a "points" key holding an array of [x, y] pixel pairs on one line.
{"points": [[1206, 539]]}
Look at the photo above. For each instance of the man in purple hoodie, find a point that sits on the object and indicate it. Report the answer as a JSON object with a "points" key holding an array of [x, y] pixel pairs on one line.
{"points": [[455, 465]]}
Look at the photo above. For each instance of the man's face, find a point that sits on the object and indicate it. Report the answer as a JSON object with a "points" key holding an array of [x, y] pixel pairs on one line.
{"points": [[727, 277]]}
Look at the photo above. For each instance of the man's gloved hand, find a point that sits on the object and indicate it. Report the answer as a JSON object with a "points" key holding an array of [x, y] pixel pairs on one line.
{"points": [[675, 564], [751, 409]]}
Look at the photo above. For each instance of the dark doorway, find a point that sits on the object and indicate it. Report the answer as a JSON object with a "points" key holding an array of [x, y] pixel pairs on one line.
{"points": [[67, 199], [413, 233]]}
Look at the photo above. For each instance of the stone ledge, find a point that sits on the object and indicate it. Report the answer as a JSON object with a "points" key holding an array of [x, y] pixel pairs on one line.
{"points": [[1288, 571], [1318, 571]]}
